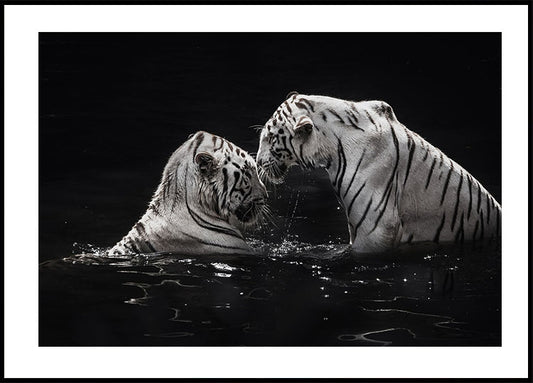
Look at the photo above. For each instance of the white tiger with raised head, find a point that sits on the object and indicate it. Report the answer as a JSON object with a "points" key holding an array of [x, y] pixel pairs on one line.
{"points": [[209, 190], [395, 187]]}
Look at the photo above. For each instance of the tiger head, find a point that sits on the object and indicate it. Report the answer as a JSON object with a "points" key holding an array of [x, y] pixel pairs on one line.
{"points": [[227, 179], [290, 137]]}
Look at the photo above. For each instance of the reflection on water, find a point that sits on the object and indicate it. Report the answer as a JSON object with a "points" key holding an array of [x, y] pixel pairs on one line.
{"points": [[295, 294]]}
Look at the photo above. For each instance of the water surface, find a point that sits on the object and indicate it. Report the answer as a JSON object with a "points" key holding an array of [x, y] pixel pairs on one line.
{"points": [[297, 292]]}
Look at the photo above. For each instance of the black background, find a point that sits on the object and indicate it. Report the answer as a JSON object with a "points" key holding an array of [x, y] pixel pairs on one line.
{"points": [[113, 107]]}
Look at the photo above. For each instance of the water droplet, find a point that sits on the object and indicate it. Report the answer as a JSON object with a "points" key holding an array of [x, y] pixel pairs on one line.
{"points": [[405, 279]]}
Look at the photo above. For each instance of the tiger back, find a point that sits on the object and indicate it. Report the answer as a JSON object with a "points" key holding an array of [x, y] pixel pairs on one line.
{"points": [[395, 187]]}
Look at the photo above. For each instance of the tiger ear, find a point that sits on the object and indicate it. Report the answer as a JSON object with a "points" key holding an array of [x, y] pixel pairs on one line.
{"points": [[206, 162], [291, 94], [304, 127]]}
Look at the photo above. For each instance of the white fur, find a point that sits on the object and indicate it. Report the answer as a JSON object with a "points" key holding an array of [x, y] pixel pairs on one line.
{"points": [[185, 202], [413, 213]]}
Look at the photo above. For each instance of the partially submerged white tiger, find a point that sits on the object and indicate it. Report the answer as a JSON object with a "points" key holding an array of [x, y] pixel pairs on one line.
{"points": [[395, 187], [209, 189]]}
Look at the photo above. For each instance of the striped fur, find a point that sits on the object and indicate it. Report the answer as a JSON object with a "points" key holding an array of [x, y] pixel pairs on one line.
{"points": [[209, 190], [395, 187]]}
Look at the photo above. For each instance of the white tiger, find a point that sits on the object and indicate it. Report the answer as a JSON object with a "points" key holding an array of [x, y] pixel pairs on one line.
{"points": [[209, 189], [395, 187]]}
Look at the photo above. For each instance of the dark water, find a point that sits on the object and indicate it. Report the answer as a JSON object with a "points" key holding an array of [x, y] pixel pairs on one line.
{"points": [[313, 298], [114, 107], [303, 290]]}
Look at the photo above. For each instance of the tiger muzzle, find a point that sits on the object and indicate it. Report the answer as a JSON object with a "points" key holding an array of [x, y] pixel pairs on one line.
{"points": [[248, 212]]}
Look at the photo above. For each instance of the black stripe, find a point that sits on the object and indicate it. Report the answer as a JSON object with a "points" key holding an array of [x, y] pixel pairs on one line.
{"points": [[460, 235], [426, 155], [131, 247], [430, 172], [236, 176], [197, 142], [362, 218], [220, 146], [292, 146], [154, 206], [382, 211], [283, 140], [302, 105], [216, 200], [389, 183], [353, 120], [174, 180], [396, 195], [302, 156], [446, 184], [246, 195], [288, 107], [475, 231], [353, 116], [457, 201], [354, 173], [437, 234], [309, 104], [224, 185], [370, 118], [411, 152], [208, 225], [343, 159], [212, 244], [139, 226], [354, 197], [410, 238], [469, 178], [150, 246], [336, 115], [338, 165]]}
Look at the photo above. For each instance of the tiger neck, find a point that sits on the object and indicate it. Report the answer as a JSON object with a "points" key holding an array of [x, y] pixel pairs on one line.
{"points": [[345, 167], [176, 209]]}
